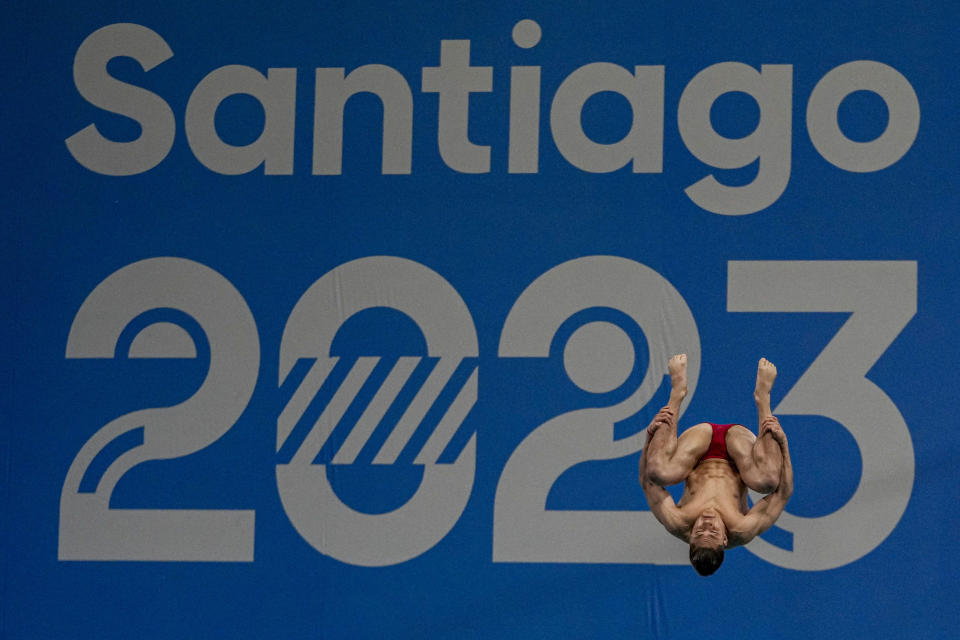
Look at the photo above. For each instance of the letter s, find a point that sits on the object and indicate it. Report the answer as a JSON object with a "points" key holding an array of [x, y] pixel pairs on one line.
{"points": [[88, 146]]}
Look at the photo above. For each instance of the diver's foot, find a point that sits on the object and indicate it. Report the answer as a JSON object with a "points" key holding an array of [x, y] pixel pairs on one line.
{"points": [[678, 377], [766, 374]]}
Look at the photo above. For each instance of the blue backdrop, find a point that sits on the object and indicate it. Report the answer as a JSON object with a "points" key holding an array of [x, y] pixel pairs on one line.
{"points": [[254, 392]]}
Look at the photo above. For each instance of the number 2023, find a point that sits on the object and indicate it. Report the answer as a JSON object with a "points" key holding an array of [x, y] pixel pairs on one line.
{"points": [[880, 297]]}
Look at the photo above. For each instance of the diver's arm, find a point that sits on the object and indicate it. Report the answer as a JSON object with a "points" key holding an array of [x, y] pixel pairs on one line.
{"points": [[661, 502], [765, 512]]}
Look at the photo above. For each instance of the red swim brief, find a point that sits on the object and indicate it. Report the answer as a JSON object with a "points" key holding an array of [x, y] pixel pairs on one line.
{"points": [[718, 444]]}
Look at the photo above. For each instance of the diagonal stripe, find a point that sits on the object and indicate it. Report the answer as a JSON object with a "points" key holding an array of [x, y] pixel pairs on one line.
{"points": [[415, 413], [331, 415], [450, 422], [301, 398], [349, 420], [292, 381], [389, 421], [375, 411]]}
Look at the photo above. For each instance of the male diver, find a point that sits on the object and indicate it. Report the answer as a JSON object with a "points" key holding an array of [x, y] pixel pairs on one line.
{"points": [[718, 462]]}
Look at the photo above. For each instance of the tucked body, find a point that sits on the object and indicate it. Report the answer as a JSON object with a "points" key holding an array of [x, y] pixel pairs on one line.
{"points": [[717, 463]]}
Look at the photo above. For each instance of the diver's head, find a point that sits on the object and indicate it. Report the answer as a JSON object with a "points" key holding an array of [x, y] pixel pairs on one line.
{"points": [[708, 539]]}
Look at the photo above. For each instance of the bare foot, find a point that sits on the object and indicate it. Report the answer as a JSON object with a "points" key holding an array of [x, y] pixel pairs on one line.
{"points": [[766, 374], [678, 377]]}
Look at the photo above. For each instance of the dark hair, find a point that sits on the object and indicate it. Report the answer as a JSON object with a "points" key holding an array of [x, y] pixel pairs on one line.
{"points": [[705, 560]]}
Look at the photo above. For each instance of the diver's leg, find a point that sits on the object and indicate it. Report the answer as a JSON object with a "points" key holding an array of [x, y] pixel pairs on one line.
{"points": [[670, 459], [758, 459]]}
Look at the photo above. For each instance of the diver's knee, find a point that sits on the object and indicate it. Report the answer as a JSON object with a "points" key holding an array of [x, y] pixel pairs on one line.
{"points": [[766, 483], [660, 473]]}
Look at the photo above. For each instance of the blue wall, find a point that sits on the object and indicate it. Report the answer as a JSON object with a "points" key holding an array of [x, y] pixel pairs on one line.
{"points": [[405, 397]]}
